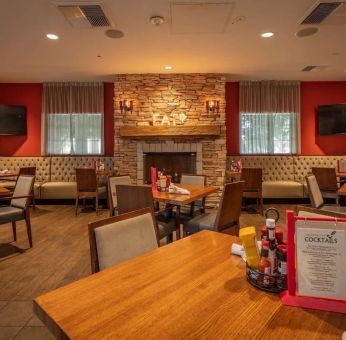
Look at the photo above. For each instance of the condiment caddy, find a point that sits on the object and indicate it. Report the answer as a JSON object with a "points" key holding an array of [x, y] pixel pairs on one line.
{"points": [[266, 266]]}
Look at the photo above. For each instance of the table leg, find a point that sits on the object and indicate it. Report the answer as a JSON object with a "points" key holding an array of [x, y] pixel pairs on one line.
{"points": [[177, 221]]}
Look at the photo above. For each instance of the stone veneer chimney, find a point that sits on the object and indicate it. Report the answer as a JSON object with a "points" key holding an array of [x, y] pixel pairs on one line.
{"points": [[168, 94]]}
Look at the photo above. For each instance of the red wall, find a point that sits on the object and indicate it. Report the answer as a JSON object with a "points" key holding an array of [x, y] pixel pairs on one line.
{"points": [[312, 94], [30, 95]]}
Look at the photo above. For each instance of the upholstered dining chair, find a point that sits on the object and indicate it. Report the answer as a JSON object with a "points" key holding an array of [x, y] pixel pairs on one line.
{"points": [[134, 197], [195, 180], [112, 193], [223, 219], [87, 186], [31, 171], [327, 182], [19, 205], [253, 185], [120, 238], [316, 198]]}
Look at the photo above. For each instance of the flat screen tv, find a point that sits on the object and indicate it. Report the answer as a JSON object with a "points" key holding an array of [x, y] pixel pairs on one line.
{"points": [[12, 120], [331, 119]]}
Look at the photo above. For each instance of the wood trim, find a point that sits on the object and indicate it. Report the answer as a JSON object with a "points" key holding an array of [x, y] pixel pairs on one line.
{"points": [[134, 131]]}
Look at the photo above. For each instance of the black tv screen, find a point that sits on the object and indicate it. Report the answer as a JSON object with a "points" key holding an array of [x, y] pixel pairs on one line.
{"points": [[331, 119], [12, 120]]}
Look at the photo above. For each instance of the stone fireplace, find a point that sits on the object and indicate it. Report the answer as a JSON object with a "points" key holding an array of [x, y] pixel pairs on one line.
{"points": [[144, 129]]}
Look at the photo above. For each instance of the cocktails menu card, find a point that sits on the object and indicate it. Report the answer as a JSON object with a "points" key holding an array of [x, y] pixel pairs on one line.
{"points": [[321, 259]]}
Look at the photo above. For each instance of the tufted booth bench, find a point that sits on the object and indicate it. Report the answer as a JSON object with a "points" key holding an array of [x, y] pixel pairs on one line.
{"points": [[62, 184], [14, 163], [284, 176], [55, 176]]}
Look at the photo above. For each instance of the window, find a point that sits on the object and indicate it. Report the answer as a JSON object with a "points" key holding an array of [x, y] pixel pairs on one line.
{"points": [[268, 133], [75, 134], [73, 114]]}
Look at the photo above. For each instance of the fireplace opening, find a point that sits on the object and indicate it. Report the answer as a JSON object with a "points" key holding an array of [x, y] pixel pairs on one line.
{"points": [[171, 163]]}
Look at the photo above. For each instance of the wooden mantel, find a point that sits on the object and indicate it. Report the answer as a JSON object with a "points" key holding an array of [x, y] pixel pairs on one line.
{"points": [[180, 131]]}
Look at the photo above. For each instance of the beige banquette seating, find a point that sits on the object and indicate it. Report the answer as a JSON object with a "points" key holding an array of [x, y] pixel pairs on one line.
{"points": [[13, 164], [284, 176], [62, 183], [55, 176]]}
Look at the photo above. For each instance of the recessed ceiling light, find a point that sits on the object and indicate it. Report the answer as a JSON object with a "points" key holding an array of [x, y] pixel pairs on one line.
{"points": [[168, 67], [267, 34], [52, 36]]}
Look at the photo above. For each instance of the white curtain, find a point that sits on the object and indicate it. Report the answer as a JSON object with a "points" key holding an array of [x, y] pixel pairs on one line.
{"points": [[269, 115], [73, 118]]}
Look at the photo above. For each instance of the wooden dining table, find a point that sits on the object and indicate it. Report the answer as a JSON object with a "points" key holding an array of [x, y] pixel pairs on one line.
{"points": [[4, 192], [9, 174], [196, 192], [178, 200], [190, 289]]}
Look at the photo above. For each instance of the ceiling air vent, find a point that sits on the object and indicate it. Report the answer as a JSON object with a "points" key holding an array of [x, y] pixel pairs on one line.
{"points": [[314, 68], [95, 15], [320, 12], [84, 16]]}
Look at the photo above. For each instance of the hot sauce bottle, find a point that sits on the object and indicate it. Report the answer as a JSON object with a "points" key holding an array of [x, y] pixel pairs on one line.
{"points": [[270, 224], [264, 266]]}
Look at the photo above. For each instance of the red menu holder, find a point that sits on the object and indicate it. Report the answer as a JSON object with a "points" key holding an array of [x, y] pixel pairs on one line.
{"points": [[153, 176], [289, 297]]}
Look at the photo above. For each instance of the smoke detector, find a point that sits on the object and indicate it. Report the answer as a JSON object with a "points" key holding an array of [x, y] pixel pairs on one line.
{"points": [[157, 20]]}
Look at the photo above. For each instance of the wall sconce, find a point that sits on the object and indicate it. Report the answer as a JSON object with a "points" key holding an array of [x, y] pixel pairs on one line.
{"points": [[126, 106], [213, 106]]}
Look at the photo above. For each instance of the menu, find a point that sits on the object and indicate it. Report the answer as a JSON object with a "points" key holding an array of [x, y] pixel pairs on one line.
{"points": [[321, 259]]}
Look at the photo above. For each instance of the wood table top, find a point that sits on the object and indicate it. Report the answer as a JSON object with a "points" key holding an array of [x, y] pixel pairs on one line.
{"points": [[342, 190], [9, 174], [192, 288], [340, 174], [4, 192], [196, 192]]}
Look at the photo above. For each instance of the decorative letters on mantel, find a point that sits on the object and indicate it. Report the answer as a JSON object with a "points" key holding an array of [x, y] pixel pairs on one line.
{"points": [[163, 119]]}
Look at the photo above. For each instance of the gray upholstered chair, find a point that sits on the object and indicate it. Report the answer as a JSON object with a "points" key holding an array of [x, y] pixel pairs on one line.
{"points": [[195, 180], [134, 197], [316, 198], [120, 238], [19, 205], [223, 219], [29, 170], [112, 192]]}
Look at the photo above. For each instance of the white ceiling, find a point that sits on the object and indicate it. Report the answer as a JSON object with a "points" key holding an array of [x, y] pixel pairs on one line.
{"points": [[239, 51]]}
